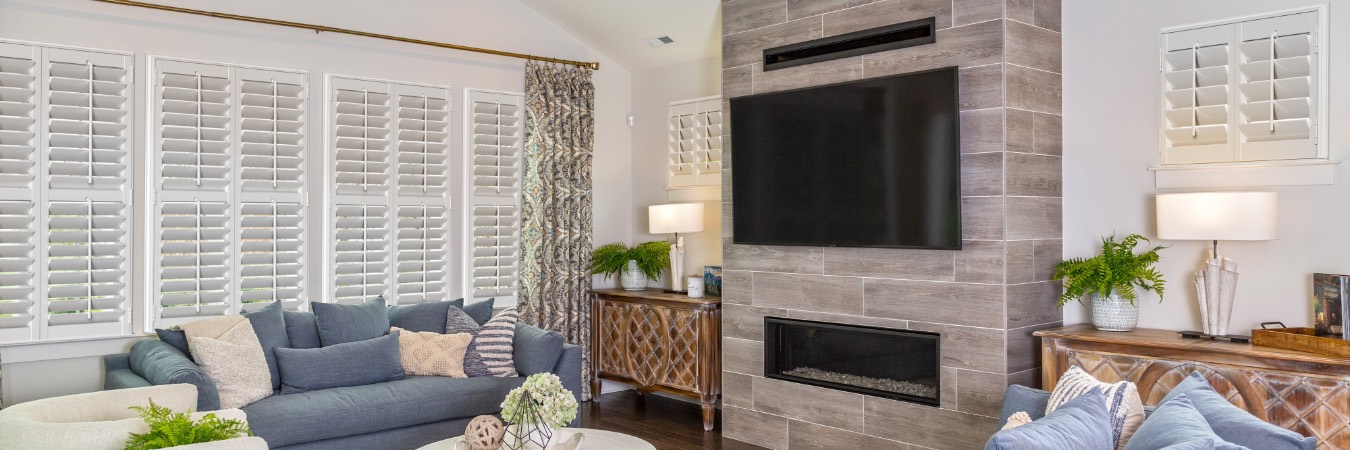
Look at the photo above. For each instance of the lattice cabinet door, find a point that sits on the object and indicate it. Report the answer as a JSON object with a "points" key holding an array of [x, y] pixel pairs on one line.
{"points": [[682, 354]]}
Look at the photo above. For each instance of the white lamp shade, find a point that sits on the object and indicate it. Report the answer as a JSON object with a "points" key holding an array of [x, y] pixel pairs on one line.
{"points": [[675, 218], [1218, 216]]}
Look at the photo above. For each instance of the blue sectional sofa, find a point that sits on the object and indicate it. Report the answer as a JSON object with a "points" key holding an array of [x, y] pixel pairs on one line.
{"points": [[401, 414]]}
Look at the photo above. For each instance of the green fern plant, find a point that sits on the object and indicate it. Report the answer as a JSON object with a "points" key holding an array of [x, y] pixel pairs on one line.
{"points": [[611, 259], [170, 429], [1118, 268]]}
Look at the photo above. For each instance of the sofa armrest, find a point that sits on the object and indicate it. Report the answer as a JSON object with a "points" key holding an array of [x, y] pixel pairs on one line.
{"points": [[159, 363], [534, 350], [569, 371], [117, 373]]}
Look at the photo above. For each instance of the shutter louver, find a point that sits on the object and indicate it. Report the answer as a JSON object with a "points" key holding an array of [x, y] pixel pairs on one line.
{"points": [[271, 253], [194, 260], [195, 111], [271, 122], [87, 134], [496, 236], [1277, 89], [87, 259], [423, 133], [18, 268], [361, 252], [495, 142], [695, 155], [18, 219], [423, 254], [361, 142]]}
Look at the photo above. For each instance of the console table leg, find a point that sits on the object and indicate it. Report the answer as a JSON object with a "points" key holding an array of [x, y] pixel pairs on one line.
{"points": [[709, 415]]}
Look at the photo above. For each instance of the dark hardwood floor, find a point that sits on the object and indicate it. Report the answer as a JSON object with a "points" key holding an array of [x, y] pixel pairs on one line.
{"points": [[667, 423]]}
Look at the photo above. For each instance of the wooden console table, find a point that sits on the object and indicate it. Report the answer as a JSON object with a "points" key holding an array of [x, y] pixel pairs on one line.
{"points": [[659, 341], [1304, 392]]}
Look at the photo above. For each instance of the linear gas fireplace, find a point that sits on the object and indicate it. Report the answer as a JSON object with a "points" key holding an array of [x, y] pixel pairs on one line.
{"points": [[897, 364]]}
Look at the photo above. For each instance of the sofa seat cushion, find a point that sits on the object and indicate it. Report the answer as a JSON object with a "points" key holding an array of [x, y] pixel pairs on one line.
{"points": [[332, 413]]}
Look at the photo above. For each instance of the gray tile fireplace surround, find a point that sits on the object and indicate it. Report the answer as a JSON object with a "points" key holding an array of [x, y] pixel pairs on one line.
{"points": [[984, 300]]}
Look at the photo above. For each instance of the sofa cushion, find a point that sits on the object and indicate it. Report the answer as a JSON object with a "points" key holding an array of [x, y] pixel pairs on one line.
{"points": [[490, 353], [346, 411], [176, 338], [480, 311], [1122, 399], [1177, 423], [235, 362], [535, 350], [160, 363], [422, 316], [1080, 424], [348, 364], [1233, 424], [302, 329], [270, 325], [340, 324], [1018, 398]]}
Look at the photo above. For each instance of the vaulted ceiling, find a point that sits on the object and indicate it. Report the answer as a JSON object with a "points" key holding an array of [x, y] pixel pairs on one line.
{"points": [[621, 29]]}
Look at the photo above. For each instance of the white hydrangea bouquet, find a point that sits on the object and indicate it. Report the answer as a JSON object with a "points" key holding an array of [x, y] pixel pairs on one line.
{"points": [[555, 404]]}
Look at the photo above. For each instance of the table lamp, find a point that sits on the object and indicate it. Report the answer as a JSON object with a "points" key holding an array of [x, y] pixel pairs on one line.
{"points": [[675, 218], [1217, 216]]}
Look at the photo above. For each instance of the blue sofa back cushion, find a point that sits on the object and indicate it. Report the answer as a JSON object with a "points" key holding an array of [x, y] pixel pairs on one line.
{"points": [[1081, 424], [1233, 424], [1177, 424], [422, 316], [348, 364], [160, 363], [534, 350], [480, 311], [270, 326], [1018, 398], [176, 339], [340, 324], [302, 329]]}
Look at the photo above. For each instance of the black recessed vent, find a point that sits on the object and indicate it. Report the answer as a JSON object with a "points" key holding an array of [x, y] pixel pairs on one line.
{"points": [[890, 37]]}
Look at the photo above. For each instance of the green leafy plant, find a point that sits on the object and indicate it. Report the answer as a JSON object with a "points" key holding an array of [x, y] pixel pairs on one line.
{"points": [[611, 259], [556, 405], [170, 429], [1117, 269]]}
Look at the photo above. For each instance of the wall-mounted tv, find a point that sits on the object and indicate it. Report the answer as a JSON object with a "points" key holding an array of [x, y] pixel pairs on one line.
{"points": [[869, 163]]}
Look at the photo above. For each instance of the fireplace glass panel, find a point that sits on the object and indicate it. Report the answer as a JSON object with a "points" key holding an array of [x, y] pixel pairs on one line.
{"points": [[898, 364]]}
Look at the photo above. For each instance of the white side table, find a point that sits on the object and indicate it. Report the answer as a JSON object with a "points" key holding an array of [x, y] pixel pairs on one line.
{"points": [[594, 440]]}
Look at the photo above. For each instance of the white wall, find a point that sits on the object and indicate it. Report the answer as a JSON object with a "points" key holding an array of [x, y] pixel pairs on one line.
{"points": [[498, 24], [1111, 99], [653, 91]]}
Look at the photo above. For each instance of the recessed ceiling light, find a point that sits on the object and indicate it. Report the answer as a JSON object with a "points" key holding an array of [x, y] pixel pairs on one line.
{"points": [[660, 40]]}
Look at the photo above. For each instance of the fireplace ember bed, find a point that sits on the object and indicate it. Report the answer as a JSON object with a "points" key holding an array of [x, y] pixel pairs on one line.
{"points": [[884, 362]]}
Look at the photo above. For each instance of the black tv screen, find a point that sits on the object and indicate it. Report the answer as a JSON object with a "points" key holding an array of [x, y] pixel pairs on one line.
{"points": [[870, 163]]}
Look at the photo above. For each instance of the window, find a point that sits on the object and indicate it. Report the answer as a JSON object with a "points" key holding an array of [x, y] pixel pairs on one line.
{"points": [[1243, 91], [390, 163], [695, 154], [65, 192], [495, 157], [229, 188]]}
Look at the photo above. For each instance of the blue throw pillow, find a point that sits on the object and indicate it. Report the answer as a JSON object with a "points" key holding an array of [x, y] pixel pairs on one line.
{"points": [[270, 326], [534, 350], [1176, 422], [1234, 424], [480, 312], [302, 329], [159, 363], [339, 365], [176, 339], [1018, 398], [422, 316], [340, 324], [1081, 424]]}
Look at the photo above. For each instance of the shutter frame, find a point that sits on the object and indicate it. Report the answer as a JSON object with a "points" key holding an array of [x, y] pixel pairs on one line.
{"points": [[694, 143], [492, 230]]}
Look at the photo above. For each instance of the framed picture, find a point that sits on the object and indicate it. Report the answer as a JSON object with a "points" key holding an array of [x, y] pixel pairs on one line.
{"points": [[712, 280], [1330, 304]]}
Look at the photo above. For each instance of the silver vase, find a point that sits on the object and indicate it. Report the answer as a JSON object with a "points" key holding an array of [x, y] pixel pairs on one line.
{"points": [[1113, 313], [632, 278]]}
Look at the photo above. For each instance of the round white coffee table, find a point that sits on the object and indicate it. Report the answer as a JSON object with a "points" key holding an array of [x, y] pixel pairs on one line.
{"points": [[594, 440]]}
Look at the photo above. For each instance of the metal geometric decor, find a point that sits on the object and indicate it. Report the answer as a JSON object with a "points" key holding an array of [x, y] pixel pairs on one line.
{"points": [[528, 432]]}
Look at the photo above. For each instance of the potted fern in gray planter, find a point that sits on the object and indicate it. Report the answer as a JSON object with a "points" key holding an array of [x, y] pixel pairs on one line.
{"points": [[635, 265], [1110, 280]]}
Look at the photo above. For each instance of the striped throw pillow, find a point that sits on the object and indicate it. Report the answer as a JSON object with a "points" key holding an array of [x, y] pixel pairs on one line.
{"points": [[489, 355], [1122, 401]]}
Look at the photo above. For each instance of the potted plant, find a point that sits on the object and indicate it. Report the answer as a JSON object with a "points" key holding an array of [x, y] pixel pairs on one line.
{"points": [[1111, 279], [169, 429], [633, 265], [536, 411]]}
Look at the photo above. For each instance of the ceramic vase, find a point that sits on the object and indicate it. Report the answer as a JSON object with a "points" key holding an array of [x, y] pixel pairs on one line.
{"points": [[1113, 313], [632, 278]]}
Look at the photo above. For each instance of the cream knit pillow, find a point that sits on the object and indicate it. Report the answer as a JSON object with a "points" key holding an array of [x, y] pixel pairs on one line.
{"points": [[236, 363], [431, 353], [1122, 401]]}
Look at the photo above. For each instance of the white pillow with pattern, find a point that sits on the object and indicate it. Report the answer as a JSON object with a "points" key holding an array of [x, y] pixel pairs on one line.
{"points": [[1122, 401], [236, 364]]}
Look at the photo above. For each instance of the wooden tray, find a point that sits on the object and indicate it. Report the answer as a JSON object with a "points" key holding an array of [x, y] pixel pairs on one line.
{"points": [[1301, 339]]}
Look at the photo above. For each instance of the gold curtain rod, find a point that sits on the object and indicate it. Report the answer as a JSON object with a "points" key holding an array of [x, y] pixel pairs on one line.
{"points": [[321, 29]]}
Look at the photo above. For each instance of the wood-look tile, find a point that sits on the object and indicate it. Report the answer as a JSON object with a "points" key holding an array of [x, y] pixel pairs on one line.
{"points": [[810, 436], [745, 15], [1048, 14], [980, 392], [887, 12], [1048, 253], [982, 130], [1034, 47], [746, 322], [748, 48], [947, 389], [1034, 90], [981, 174], [1035, 218], [1035, 175], [941, 429], [843, 295], [1021, 262], [980, 262], [982, 218], [806, 8], [848, 319], [747, 425], [772, 258], [743, 356], [817, 74], [907, 264], [728, 224], [1020, 137], [813, 404], [1048, 134], [1033, 304], [1021, 10], [979, 305], [970, 348], [966, 12], [737, 287], [1024, 349], [965, 46], [736, 81], [738, 390], [981, 87], [1030, 378]]}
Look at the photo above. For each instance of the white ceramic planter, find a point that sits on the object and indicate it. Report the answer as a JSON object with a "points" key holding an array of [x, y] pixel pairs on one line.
{"points": [[632, 279], [1113, 313]]}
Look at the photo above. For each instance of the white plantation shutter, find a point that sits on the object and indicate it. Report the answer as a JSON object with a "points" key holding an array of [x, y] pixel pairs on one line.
{"points": [[19, 116], [496, 251], [18, 270], [271, 122], [1278, 88], [1196, 87], [423, 253], [194, 262], [695, 154], [88, 263], [361, 252], [361, 148], [194, 111], [495, 165], [272, 257], [495, 121], [422, 127]]}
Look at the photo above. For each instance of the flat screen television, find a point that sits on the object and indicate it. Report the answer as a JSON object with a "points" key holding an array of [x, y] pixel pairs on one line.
{"points": [[869, 163]]}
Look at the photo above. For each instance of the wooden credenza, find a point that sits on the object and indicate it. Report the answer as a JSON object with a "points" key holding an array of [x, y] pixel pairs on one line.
{"points": [[1304, 392], [659, 341]]}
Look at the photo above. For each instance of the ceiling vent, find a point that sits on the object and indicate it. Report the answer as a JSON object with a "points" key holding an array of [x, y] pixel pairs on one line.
{"points": [[660, 40]]}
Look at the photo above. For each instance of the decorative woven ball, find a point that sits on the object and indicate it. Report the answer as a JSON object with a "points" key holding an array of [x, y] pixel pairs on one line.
{"points": [[484, 433]]}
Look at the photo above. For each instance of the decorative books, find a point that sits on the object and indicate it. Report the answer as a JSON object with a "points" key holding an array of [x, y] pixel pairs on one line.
{"points": [[1330, 304]]}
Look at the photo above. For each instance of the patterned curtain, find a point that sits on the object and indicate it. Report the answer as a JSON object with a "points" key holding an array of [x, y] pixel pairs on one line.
{"points": [[556, 204]]}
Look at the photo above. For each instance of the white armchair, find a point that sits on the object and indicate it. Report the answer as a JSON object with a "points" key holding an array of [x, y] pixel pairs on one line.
{"points": [[103, 420]]}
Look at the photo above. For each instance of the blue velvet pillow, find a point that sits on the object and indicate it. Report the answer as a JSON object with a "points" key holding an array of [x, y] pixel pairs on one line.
{"points": [[422, 316], [270, 326], [1081, 424], [348, 364], [1018, 398], [480, 312], [302, 329], [1234, 424], [1176, 422], [176, 339], [340, 324]]}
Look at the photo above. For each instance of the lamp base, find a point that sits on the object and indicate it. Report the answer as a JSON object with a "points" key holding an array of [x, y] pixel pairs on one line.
{"points": [[1234, 338]]}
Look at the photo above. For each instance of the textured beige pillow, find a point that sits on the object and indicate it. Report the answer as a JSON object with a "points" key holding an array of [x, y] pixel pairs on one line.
{"points": [[431, 353], [236, 363], [1017, 419], [210, 328]]}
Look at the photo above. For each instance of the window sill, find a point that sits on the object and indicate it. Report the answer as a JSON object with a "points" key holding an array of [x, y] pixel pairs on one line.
{"points": [[73, 348], [1246, 174], [693, 193]]}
